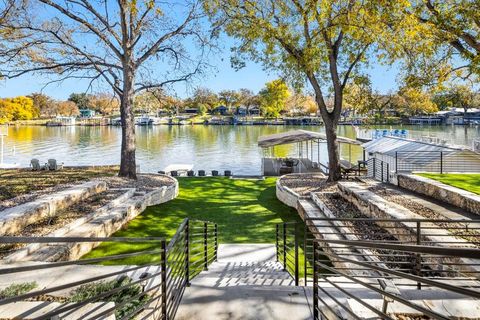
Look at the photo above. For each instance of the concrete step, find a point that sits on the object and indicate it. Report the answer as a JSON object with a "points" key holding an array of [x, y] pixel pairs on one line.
{"points": [[245, 283]]}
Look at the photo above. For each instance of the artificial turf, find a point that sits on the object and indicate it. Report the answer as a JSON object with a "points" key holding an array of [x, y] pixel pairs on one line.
{"points": [[466, 181], [246, 211]]}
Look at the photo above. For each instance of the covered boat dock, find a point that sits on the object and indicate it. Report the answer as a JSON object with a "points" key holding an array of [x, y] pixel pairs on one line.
{"points": [[308, 152]]}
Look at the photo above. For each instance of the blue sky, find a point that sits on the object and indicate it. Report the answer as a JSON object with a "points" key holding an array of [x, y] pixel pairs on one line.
{"points": [[252, 77]]}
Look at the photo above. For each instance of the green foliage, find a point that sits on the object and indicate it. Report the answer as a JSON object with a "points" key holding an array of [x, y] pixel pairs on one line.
{"points": [[454, 24], [273, 98], [203, 96], [82, 100], [413, 101], [18, 108], [128, 295], [16, 289], [246, 212], [230, 98], [459, 96]]}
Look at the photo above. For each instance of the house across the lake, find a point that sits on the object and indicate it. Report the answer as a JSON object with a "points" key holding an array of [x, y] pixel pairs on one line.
{"points": [[222, 110], [87, 113]]}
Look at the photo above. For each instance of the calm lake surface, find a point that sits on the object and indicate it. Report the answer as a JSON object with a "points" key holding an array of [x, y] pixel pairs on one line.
{"points": [[206, 147]]}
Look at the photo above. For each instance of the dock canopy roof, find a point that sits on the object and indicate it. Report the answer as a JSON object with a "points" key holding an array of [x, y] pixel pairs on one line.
{"points": [[391, 145], [297, 136]]}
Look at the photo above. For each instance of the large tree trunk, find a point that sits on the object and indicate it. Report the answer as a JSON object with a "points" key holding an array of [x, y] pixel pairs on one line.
{"points": [[334, 173], [128, 167]]}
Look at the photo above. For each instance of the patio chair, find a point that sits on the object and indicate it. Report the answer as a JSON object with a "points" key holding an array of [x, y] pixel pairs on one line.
{"points": [[214, 173], [53, 165], [174, 173], [201, 173], [190, 173], [228, 173], [35, 164]]}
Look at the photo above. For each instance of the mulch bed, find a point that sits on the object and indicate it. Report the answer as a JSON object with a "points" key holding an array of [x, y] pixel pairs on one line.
{"points": [[304, 184]]}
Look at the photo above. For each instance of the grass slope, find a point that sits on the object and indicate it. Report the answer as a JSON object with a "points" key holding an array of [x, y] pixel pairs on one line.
{"points": [[469, 182], [246, 211]]}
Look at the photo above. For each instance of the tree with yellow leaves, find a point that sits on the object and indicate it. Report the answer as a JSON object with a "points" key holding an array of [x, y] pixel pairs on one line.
{"points": [[273, 98], [18, 108]]}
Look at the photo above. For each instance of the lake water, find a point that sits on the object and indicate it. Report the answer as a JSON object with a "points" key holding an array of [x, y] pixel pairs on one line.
{"points": [[206, 147]]}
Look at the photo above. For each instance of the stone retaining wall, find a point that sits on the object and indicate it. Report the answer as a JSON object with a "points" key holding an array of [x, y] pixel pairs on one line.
{"points": [[102, 223], [440, 191], [287, 195], [14, 219], [375, 206]]}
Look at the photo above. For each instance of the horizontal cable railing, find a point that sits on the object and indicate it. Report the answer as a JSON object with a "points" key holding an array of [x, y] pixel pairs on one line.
{"points": [[436, 161], [147, 290], [362, 265]]}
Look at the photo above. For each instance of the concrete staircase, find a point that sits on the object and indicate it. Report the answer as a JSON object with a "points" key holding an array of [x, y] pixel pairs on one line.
{"points": [[246, 283]]}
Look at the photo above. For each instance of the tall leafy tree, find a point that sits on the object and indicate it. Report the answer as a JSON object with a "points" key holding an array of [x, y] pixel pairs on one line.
{"points": [[230, 98], [462, 95], [273, 98], [43, 103], [130, 45], [82, 100], [205, 97], [414, 101], [321, 42]]}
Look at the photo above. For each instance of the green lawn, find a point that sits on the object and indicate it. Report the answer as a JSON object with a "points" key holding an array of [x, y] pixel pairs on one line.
{"points": [[246, 211], [469, 182]]}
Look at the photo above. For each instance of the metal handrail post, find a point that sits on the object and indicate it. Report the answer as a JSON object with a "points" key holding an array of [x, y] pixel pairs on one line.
{"points": [[381, 165], [305, 252], [187, 252], [216, 242], [296, 254], [205, 246], [284, 246], [441, 162], [163, 262], [315, 282], [418, 256], [276, 240], [388, 172], [396, 161]]}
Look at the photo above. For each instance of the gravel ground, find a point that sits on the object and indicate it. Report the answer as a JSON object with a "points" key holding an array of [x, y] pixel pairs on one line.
{"points": [[61, 219], [303, 184], [145, 182]]}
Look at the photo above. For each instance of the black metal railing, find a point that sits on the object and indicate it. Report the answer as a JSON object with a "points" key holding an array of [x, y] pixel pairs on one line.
{"points": [[151, 289], [294, 250], [378, 169], [436, 161], [358, 263]]}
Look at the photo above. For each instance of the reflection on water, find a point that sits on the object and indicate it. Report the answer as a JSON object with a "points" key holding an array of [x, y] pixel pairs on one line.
{"points": [[206, 147]]}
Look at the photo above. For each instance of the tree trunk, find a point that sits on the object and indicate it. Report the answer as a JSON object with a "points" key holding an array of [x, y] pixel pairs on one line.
{"points": [[128, 167], [334, 173]]}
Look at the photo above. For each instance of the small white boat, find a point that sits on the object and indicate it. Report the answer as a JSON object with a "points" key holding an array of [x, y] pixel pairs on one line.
{"points": [[147, 120], [116, 121]]}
